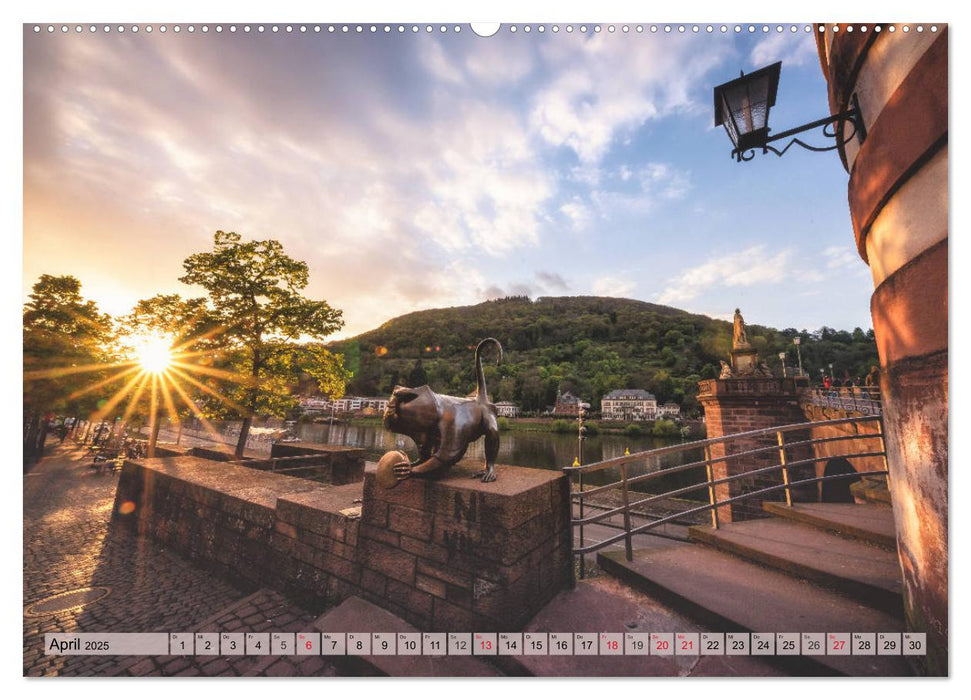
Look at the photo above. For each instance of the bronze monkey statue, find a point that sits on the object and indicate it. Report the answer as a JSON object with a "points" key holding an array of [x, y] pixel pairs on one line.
{"points": [[444, 426]]}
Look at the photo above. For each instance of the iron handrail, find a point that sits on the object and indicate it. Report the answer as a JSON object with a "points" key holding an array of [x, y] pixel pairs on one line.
{"points": [[717, 482], [784, 467], [699, 444], [709, 506], [724, 458]]}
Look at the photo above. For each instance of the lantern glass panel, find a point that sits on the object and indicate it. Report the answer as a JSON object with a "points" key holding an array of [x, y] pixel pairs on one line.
{"points": [[748, 104]]}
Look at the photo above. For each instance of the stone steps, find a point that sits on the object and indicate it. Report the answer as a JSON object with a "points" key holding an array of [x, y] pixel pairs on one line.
{"points": [[726, 593], [871, 489], [358, 615], [869, 522], [604, 604], [866, 573]]}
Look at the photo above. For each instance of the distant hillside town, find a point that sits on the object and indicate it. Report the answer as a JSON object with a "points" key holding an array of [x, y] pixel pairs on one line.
{"points": [[619, 405]]}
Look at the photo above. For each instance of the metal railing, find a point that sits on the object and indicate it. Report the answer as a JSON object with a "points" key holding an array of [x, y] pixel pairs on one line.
{"points": [[779, 449], [862, 400]]}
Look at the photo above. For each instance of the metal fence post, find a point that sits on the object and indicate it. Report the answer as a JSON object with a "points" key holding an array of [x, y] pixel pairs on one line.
{"points": [[883, 448], [582, 556], [785, 470], [711, 487], [627, 540]]}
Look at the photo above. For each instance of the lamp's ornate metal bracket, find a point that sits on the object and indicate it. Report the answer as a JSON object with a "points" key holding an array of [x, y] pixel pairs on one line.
{"points": [[832, 127]]}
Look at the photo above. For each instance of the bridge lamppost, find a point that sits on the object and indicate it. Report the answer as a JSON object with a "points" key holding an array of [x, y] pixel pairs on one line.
{"points": [[782, 356], [795, 341]]}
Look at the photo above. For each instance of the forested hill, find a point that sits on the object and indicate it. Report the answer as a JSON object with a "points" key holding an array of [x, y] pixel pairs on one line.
{"points": [[585, 345]]}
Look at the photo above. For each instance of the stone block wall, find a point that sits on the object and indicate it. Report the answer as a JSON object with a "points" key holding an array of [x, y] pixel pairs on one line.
{"points": [[452, 554], [738, 405], [857, 439], [459, 552]]}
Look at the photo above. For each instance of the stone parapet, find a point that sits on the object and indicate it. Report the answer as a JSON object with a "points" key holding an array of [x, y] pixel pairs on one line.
{"points": [[469, 555], [743, 404], [451, 554]]}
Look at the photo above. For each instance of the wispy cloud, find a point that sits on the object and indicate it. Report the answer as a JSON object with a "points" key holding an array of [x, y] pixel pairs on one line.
{"points": [[747, 268], [608, 86], [842, 258], [614, 286], [791, 48]]}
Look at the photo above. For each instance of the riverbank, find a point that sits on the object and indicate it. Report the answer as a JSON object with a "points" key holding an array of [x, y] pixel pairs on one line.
{"points": [[661, 428]]}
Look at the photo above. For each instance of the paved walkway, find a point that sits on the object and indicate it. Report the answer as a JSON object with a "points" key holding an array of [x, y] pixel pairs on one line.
{"points": [[70, 543]]}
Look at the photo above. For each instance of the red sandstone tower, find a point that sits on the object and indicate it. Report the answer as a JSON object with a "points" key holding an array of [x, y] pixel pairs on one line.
{"points": [[898, 204]]}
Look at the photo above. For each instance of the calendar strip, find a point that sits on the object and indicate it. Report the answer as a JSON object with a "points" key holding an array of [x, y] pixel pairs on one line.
{"points": [[487, 644]]}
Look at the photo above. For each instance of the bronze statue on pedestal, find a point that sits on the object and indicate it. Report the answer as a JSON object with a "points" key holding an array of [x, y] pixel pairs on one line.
{"points": [[442, 427]]}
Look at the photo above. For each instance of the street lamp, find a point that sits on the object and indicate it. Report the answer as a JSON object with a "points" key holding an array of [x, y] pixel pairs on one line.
{"points": [[581, 430], [742, 106], [795, 341], [782, 357]]}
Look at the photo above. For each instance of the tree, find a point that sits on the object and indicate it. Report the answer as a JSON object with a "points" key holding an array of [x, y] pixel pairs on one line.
{"points": [[254, 294], [67, 344], [417, 377], [188, 327]]}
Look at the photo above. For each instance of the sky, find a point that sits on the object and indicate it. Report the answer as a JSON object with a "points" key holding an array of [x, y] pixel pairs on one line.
{"points": [[423, 170]]}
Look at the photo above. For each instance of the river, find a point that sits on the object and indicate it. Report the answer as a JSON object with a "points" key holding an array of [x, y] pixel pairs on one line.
{"points": [[536, 449], [539, 449]]}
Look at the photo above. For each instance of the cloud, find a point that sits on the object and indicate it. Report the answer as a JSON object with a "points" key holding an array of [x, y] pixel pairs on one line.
{"points": [[792, 49], [552, 281], [439, 64], [743, 269], [663, 180], [606, 87], [842, 258], [159, 142], [577, 213], [614, 286], [500, 63]]}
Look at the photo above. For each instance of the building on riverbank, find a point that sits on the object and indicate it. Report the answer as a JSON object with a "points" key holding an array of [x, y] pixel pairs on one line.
{"points": [[345, 404], [629, 404], [567, 405], [507, 409], [669, 409]]}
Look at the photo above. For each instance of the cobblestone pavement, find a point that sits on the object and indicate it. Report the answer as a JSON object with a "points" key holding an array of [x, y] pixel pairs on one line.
{"points": [[70, 543]]}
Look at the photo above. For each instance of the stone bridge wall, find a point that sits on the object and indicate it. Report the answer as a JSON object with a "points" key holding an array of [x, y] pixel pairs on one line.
{"points": [[452, 554], [854, 431]]}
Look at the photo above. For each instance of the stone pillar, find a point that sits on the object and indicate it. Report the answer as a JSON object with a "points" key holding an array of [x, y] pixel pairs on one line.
{"points": [[454, 554], [738, 405], [898, 196]]}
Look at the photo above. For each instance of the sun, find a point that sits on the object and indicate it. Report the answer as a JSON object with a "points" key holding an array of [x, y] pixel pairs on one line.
{"points": [[153, 353]]}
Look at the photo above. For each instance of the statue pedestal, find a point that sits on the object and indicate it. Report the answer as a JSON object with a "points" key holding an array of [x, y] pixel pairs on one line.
{"points": [[745, 360], [454, 554]]}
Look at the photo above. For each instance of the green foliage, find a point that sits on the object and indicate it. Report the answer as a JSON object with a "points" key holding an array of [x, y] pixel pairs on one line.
{"points": [[67, 346], [592, 427], [254, 297], [503, 423], [586, 345], [665, 428], [633, 430], [561, 425]]}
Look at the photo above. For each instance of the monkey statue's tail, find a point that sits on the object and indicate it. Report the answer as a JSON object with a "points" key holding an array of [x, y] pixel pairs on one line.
{"points": [[481, 395]]}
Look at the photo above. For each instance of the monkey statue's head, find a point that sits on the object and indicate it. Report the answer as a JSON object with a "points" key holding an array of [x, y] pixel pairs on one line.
{"points": [[412, 411]]}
